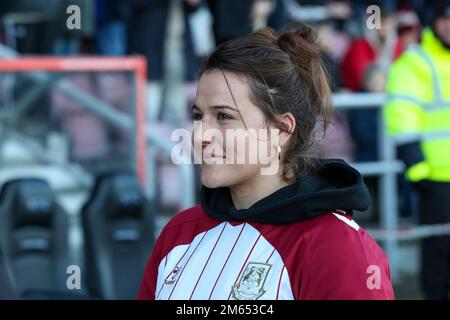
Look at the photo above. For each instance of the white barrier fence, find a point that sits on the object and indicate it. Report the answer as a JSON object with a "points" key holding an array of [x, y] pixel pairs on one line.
{"points": [[410, 233]]}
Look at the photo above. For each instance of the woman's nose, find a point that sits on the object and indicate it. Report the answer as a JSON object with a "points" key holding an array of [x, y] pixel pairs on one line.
{"points": [[199, 138]]}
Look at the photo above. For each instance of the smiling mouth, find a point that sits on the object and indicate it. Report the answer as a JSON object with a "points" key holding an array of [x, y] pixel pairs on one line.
{"points": [[211, 159]]}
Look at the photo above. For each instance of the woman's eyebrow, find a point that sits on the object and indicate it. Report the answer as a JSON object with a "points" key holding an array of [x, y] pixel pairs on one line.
{"points": [[195, 107], [224, 107], [220, 107]]}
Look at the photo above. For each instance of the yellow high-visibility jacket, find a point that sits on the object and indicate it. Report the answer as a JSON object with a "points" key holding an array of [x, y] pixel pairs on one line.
{"points": [[418, 106]]}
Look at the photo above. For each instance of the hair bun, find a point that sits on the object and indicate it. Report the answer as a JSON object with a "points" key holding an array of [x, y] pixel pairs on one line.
{"points": [[299, 39]]}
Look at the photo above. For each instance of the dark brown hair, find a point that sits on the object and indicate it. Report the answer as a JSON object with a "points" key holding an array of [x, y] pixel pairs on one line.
{"points": [[285, 74]]}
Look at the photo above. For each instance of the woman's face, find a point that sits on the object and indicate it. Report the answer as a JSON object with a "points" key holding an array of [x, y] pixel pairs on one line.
{"points": [[220, 138], [442, 27]]}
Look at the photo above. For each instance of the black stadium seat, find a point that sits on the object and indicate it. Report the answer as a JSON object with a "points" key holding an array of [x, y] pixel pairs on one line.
{"points": [[118, 235], [33, 236], [7, 291]]}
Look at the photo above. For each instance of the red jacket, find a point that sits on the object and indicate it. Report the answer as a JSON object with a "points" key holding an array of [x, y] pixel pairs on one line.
{"points": [[358, 57]]}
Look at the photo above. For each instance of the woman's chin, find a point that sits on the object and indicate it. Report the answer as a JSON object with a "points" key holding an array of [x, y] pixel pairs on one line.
{"points": [[212, 182], [214, 177]]}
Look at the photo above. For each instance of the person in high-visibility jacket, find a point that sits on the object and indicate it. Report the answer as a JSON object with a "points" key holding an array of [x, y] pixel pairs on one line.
{"points": [[417, 114]]}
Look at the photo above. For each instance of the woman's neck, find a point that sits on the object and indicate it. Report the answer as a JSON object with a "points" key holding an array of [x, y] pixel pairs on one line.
{"points": [[248, 193]]}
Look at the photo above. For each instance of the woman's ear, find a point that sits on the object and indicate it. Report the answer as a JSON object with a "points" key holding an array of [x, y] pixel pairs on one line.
{"points": [[288, 123]]}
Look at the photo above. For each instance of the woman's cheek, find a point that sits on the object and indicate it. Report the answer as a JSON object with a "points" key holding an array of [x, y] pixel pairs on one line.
{"points": [[219, 175]]}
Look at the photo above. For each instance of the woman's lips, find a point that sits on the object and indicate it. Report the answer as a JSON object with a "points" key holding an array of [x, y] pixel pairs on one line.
{"points": [[212, 158]]}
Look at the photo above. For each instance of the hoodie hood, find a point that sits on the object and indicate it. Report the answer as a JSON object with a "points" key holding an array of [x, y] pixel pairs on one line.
{"points": [[333, 186]]}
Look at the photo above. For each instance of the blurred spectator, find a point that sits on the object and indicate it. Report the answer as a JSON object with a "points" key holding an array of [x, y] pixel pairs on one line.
{"points": [[417, 115], [326, 33], [268, 13], [317, 10], [146, 35], [336, 143], [236, 18], [364, 122], [198, 43], [278, 17], [192, 50], [408, 30], [364, 69], [112, 87], [231, 18], [377, 46], [325, 15], [111, 18], [259, 13]]}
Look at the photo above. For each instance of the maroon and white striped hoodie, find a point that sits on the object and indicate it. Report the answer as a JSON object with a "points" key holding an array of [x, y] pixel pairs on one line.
{"points": [[298, 243]]}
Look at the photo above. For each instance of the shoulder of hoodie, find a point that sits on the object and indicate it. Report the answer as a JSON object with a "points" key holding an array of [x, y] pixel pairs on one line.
{"points": [[332, 228], [190, 216], [184, 226], [335, 226]]}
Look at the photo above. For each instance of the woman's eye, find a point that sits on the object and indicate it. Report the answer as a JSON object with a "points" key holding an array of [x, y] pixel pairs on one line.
{"points": [[197, 116], [223, 116]]}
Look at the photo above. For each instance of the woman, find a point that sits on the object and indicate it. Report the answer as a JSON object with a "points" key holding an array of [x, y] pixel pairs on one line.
{"points": [[284, 233]]}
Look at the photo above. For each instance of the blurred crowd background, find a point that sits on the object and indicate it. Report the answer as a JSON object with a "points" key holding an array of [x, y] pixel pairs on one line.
{"points": [[174, 36]]}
